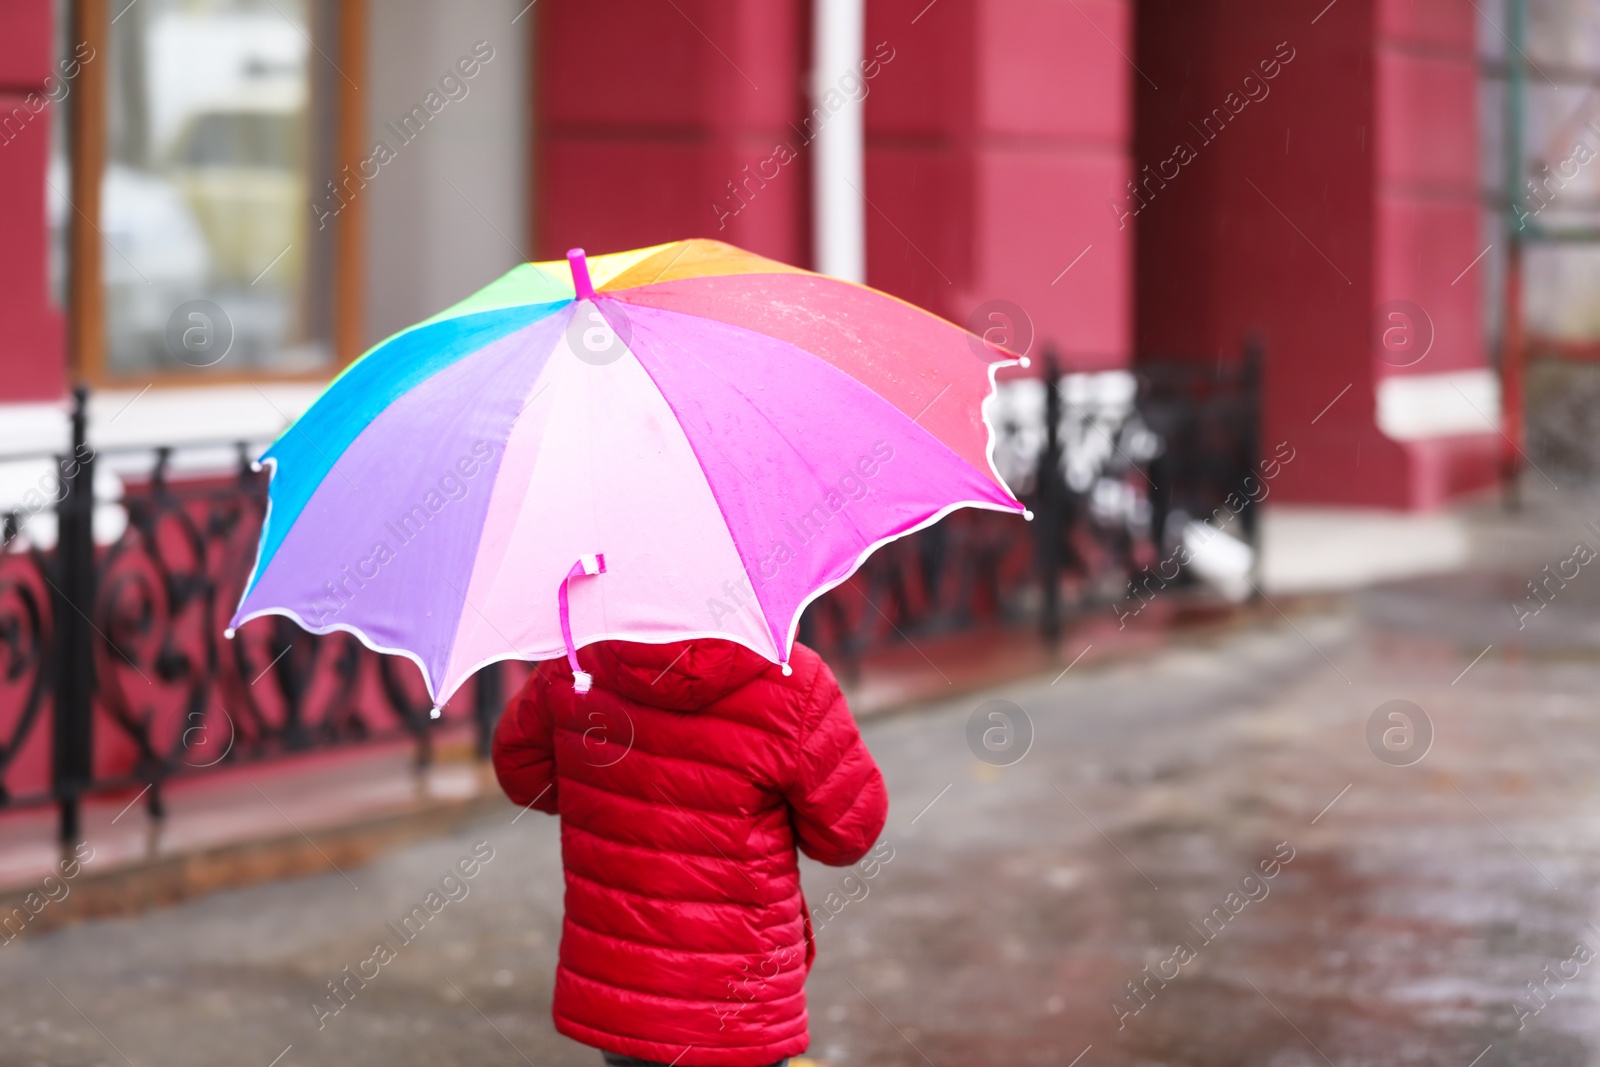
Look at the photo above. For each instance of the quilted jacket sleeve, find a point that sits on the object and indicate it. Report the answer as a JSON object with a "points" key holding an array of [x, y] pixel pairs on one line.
{"points": [[524, 750], [837, 796]]}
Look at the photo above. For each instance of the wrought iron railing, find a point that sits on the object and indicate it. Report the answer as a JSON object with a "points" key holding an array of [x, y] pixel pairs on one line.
{"points": [[1106, 461], [1208, 418], [113, 660]]}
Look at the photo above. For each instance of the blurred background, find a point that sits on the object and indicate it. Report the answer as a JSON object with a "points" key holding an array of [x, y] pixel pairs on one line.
{"points": [[1311, 431]]}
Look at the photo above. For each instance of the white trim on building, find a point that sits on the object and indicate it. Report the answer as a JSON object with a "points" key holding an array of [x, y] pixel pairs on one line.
{"points": [[1413, 407]]}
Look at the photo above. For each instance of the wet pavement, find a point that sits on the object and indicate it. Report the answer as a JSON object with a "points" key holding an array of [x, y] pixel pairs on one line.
{"points": [[1223, 852]]}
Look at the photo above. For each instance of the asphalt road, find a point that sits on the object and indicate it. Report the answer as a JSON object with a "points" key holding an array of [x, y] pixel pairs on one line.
{"points": [[1407, 910]]}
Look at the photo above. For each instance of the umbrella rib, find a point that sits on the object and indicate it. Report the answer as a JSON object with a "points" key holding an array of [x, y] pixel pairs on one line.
{"points": [[461, 592], [294, 424], [753, 407], [677, 416], [850, 521], [682, 248], [860, 536], [932, 402], [488, 621], [529, 402]]}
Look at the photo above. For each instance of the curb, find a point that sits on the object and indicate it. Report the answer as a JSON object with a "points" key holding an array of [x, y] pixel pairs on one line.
{"points": [[130, 889]]}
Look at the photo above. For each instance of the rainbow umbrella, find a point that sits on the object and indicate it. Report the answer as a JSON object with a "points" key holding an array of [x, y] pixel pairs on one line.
{"points": [[707, 438]]}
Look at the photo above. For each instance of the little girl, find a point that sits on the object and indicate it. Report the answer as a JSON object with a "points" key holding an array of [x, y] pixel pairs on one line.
{"points": [[685, 781]]}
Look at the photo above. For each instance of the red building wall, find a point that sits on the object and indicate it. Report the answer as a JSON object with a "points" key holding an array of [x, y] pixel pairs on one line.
{"points": [[1428, 208], [994, 138], [1349, 183], [657, 122], [1000, 138], [32, 356], [996, 129]]}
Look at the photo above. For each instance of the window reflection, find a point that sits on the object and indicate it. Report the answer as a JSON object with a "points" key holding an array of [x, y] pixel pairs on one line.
{"points": [[212, 131]]}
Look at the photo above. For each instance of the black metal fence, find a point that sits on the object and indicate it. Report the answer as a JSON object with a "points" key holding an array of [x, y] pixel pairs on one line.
{"points": [[1209, 421], [114, 672], [112, 656], [1105, 480]]}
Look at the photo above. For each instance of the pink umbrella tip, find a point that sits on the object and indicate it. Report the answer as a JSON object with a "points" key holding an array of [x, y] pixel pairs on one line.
{"points": [[581, 284]]}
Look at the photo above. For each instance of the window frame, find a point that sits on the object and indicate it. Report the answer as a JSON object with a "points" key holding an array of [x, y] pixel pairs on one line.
{"points": [[90, 22]]}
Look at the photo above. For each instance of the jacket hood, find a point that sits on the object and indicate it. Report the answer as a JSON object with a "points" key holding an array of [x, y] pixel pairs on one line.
{"points": [[681, 676]]}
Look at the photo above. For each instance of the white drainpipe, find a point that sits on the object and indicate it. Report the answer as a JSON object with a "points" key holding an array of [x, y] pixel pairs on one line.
{"points": [[838, 174]]}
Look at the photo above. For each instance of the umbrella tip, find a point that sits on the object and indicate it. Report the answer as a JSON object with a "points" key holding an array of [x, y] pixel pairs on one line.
{"points": [[1026, 514], [581, 284], [787, 670], [229, 632], [1026, 362], [435, 712]]}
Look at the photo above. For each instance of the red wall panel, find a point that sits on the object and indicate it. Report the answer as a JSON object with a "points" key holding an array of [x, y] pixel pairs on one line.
{"points": [[1053, 69], [649, 110], [1423, 244], [1430, 214], [32, 355], [1446, 23], [1037, 213], [24, 43], [606, 196], [996, 132], [1267, 232], [919, 242], [1428, 125], [994, 140], [925, 95], [1350, 182]]}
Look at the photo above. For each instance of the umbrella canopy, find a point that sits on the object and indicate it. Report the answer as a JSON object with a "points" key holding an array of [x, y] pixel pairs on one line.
{"points": [[714, 438]]}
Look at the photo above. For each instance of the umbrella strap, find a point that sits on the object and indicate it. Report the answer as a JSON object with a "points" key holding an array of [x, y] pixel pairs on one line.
{"points": [[586, 566]]}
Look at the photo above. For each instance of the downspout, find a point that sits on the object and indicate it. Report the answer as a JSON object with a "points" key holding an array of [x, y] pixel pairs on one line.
{"points": [[1512, 354], [838, 167]]}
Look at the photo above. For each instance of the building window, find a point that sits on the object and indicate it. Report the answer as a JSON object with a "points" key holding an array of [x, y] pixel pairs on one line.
{"points": [[214, 121]]}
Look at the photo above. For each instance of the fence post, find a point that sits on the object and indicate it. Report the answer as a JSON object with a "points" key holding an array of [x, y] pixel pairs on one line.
{"points": [[488, 703], [1049, 518], [1250, 372], [72, 605]]}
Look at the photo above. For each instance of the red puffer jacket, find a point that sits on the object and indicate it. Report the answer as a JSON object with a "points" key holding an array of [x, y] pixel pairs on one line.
{"points": [[685, 780]]}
